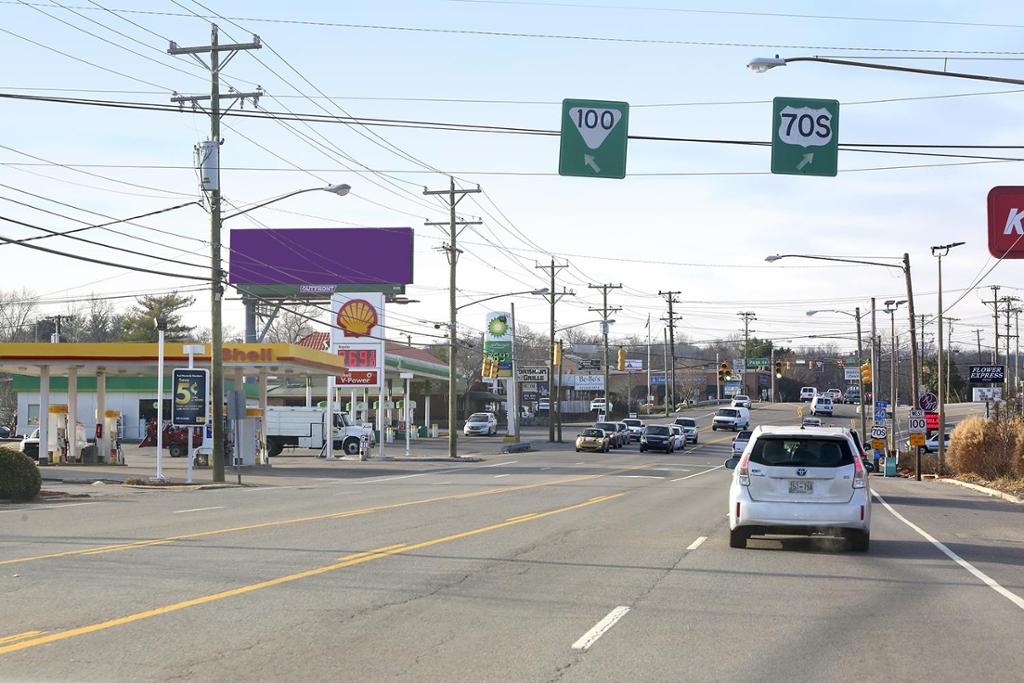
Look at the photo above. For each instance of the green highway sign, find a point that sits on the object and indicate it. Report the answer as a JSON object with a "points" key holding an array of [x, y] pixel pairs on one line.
{"points": [[805, 136], [594, 138], [757, 363]]}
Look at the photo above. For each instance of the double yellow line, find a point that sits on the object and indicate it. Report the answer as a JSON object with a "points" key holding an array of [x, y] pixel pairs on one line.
{"points": [[100, 550], [31, 639]]}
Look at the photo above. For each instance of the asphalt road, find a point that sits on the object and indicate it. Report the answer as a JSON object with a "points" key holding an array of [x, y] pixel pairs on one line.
{"points": [[542, 566]]}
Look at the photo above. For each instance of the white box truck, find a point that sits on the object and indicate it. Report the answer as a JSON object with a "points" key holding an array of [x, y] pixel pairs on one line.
{"points": [[301, 427]]}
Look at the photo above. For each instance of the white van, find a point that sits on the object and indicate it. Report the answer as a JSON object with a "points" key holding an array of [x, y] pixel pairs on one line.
{"points": [[808, 393], [821, 405], [736, 419]]}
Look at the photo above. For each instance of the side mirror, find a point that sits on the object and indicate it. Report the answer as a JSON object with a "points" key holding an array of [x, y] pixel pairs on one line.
{"points": [[579, 435], [731, 463]]}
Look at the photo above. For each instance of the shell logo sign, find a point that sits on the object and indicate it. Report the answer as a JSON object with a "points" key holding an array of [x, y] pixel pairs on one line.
{"points": [[357, 318]]}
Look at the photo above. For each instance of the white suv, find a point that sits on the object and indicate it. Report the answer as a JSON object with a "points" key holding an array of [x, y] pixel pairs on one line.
{"points": [[740, 401], [481, 423], [793, 480]]}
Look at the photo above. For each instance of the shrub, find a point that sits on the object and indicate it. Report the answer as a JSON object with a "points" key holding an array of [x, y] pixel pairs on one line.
{"points": [[988, 448], [19, 476]]}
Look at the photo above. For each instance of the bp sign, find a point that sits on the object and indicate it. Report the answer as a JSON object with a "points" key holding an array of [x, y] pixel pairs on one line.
{"points": [[805, 136], [594, 138]]}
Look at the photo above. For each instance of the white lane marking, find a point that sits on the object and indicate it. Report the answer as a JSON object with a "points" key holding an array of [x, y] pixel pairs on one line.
{"points": [[441, 483], [269, 488], [31, 508], [696, 544], [980, 575], [499, 476], [544, 468], [639, 476], [599, 629], [498, 464], [691, 476], [181, 512], [446, 470], [581, 463]]}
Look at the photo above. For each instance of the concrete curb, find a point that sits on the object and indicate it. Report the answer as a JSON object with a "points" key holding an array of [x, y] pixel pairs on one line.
{"points": [[984, 489]]}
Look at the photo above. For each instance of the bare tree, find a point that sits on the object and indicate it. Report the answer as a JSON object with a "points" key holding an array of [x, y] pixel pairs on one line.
{"points": [[17, 308], [292, 325]]}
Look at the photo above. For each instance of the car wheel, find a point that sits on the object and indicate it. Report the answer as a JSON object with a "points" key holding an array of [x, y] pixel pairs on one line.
{"points": [[643, 449], [738, 537], [858, 540], [714, 428], [577, 450]]}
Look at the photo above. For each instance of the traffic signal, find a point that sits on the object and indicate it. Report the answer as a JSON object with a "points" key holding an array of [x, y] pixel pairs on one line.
{"points": [[622, 359], [556, 356], [494, 368], [485, 367], [778, 369], [723, 372], [865, 373]]}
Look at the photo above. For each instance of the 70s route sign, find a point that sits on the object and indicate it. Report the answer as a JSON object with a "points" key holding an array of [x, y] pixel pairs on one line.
{"points": [[805, 136]]}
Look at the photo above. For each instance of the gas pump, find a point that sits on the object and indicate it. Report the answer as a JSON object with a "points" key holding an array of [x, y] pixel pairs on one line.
{"points": [[109, 439], [251, 447], [56, 435]]}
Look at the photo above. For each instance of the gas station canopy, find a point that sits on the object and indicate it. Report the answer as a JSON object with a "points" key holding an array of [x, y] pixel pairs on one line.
{"points": [[140, 359]]}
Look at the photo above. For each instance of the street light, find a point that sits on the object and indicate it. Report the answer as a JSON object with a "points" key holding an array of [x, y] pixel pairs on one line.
{"points": [[890, 307], [860, 360], [762, 64], [939, 252], [534, 292], [905, 267], [216, 330]]}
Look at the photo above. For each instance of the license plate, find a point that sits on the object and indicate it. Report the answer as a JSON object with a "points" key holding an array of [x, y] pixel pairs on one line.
{"points": [[801, 486]]}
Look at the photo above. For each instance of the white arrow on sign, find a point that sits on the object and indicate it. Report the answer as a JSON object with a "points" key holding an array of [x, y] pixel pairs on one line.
{"points": [[589, 161], [807, 159]]}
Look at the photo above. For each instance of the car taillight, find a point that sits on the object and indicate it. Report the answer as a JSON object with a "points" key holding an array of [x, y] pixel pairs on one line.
{"points": [[860, 475], [743, 470]]}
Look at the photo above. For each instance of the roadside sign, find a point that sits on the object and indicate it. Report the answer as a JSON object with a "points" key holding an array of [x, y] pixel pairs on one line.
{"points": [[658, 379], [928, 402], [986, 394], [917, 423], [595, 134], [532, 373], [880, 415], [805, 136], [757, 363], [878, 444], [190, 407], [879, 432], [588, 364], [917, 439], [1006, 222], [851, 374], [931, 420], [987, 374], [881, 404]]}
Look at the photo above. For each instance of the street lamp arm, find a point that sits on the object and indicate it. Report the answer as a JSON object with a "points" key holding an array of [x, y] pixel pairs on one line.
{"points": [[340, 190], [536, 292], [906, 69], [776, 257]]}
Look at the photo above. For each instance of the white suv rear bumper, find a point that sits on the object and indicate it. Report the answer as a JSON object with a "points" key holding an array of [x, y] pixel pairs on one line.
{"points": [[777, 516]]}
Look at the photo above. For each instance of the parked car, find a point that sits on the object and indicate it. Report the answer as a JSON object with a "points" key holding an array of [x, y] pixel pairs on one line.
{"points": [[656, 438], [593, 439], [481, 423], [931, 444], [740, 442], [730, 418], [30, 444], [678, 437], [636, 428], [794, 480], [821, 405], [599, 405], [852, 395], [835, 394], [689, 426], [5, 432], [614, 435], [740, 401], [807, 394]]}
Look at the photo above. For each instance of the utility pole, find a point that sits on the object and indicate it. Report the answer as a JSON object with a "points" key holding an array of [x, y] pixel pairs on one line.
{"points": [[210, 165], [860, 361], [554, 402], [874, 356], [670, 298], [1008, 311], [1016, 358], [664, 353], [747, 317], [949, 353], [995, 315], [605, 311], [454, 196], [915, 362], [977, 332], [921, 353]]}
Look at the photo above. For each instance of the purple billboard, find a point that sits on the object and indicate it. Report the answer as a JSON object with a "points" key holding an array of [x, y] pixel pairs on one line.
{"points": [[307, 257]]}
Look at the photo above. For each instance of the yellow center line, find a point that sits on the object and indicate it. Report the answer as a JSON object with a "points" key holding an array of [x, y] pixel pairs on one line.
{"points": [[100, 550], [347, 561], [20, 636]]}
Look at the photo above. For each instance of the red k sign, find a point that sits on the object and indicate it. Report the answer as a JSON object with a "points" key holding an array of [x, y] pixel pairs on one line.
{"points": [[1006, 222]]}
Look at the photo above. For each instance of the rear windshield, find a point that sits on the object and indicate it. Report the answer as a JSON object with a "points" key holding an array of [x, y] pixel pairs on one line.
{"points": [[686, 422], [743, 436], [479, 417], [742, 397], [726, 412], [593, 432], [633, 423], [801, 451], [807, 390], [824, 401], [658, 430], [607, 426]]}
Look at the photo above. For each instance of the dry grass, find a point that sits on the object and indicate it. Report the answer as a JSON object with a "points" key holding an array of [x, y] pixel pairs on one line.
{"points": [[991, 449]]}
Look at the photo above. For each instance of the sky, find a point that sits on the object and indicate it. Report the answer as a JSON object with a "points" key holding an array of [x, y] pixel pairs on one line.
{"points": [[697, 218]]}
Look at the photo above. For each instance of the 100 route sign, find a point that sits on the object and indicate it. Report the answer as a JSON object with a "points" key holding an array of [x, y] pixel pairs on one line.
{"points": [[805, 136], [595, 134]]}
